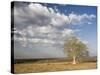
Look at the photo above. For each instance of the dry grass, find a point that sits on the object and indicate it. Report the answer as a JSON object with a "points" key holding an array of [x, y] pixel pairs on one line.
{"points": [[52, 66]]}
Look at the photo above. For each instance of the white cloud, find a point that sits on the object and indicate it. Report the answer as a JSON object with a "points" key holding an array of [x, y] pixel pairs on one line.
{"points": [[41, 41], [67, 32], [48, 41], [44, 29], [36, 23], [41, 15], [56, 9], [34, 40], [77, 19], [89, 22], [83, 41], [22, 40], [59, 19]]}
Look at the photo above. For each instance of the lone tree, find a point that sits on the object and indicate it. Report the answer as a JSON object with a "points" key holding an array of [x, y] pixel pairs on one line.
{"points": [[74, 47]]}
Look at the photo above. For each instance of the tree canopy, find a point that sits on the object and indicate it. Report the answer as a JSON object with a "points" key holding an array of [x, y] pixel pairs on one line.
{"points": [[73, 47]]}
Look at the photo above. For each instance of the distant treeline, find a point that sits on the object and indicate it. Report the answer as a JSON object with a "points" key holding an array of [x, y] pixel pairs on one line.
{"points": [[47, 60]]}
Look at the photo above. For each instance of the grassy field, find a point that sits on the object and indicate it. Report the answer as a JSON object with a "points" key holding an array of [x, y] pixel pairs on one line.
{"points": [[52, 66]]}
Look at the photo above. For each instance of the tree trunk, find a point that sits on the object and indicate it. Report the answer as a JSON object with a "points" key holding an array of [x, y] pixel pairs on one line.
{"points": [[74, 60]]}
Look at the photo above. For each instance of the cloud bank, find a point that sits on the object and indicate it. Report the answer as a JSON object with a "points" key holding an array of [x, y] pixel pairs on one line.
{"points": [[38, 24]]}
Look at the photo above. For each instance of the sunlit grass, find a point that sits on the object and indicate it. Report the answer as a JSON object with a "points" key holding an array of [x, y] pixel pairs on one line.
{"points": [[52, 66]]}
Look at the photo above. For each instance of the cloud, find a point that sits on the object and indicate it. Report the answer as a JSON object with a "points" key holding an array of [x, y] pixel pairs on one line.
{"points": [[77, 19], [44, 29], [41, 15], [89, 22], [22, 40], [83, 41], [67, 32], [36, 23]]}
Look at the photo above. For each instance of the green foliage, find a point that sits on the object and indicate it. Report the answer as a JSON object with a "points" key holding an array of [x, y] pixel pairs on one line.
{"points": [[74, 47]]}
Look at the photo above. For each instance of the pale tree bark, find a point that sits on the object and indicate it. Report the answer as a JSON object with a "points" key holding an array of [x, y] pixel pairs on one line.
{"points": [[74, 60]]}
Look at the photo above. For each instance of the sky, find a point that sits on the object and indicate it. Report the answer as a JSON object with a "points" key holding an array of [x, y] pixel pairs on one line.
{"points": [[40, 29]]}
